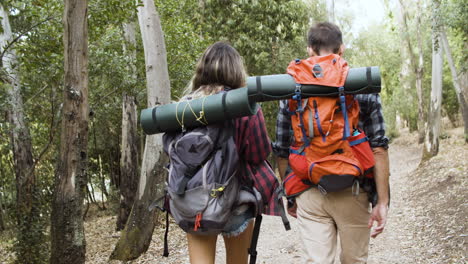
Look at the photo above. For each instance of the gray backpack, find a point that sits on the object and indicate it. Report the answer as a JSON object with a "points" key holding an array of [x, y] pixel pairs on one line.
{"points": [[204, 188]]}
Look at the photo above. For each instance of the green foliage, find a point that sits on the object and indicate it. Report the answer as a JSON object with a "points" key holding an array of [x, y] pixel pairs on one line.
{"points": [[449, 98], [260, 30], [378, 47], [456, 19], [268, 34], [184, 43]]}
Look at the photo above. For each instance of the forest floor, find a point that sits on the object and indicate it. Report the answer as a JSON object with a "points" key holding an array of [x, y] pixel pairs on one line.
{"points": [[427, 221]]}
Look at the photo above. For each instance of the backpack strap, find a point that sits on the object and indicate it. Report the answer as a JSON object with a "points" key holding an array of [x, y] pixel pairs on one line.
{"points": [[346, 130], [166, 247], [319, 124], [187, 177], [285, 219], [253, 243], [300, 112]]}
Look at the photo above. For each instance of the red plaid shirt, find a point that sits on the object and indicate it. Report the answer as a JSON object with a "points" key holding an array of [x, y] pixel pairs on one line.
{"points": [[254, 147]]}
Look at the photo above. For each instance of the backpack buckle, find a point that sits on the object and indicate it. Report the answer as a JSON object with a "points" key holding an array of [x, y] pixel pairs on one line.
{"points": [[317, 71], [322, 190], [214, 192], [356, 188]]}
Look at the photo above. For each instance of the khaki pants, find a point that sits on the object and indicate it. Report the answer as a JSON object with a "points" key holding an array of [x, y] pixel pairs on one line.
{"points": [[322, 217]]}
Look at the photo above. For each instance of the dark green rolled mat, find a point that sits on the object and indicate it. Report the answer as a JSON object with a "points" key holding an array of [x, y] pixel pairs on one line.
{"points": [[216, 108], [282, 86]]}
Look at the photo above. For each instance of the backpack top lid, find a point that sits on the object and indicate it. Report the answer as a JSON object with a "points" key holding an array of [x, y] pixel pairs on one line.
{"points": [[329, 70]]}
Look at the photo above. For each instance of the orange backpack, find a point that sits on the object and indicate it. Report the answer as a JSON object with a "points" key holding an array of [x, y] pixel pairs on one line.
{"points": [[328, 149]]}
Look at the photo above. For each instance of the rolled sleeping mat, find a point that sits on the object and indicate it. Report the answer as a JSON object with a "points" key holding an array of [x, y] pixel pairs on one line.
{"points": [[282, 86], [197, 112]]}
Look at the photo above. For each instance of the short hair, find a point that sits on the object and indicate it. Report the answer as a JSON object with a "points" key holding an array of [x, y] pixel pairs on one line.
{"points": [[220, 64], [324, 36]]}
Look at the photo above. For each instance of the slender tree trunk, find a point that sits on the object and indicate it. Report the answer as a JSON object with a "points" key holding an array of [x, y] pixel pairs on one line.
{"points": [[136, 237], [456, 83], [408, 61], [30, 237], [431, 141], [67, 231], [129, 147], [419, 78], [128, 160], [331, 11]]}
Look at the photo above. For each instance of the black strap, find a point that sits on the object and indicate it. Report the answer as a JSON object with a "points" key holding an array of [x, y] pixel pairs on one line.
{"points": [[223, 101], [259, 88], [154, 118], [369, 76], [166, 247], [284, 217], [253, 243]]}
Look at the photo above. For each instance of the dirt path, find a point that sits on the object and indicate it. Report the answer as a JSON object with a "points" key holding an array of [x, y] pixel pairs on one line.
{"points": [[394, 246], [427, 221]]}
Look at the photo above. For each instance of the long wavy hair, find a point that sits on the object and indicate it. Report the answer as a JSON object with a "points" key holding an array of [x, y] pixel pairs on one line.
{"points": [[220, 66]]}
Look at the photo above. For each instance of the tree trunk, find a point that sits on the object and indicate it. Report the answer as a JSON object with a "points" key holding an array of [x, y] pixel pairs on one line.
{"points": [[419, 78], [456, 82], [67, 231], [136, 237], [331, 11], [29, 232], [128, 161], [408, 62], [431, 141]]}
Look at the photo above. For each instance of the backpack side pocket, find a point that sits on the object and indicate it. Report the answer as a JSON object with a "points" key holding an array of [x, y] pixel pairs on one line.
{"points": [[359, 144]]}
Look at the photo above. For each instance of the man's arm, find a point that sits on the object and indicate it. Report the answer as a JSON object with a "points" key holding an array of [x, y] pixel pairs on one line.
{"points": [[282, 166], [283, 135], [381, 175]]}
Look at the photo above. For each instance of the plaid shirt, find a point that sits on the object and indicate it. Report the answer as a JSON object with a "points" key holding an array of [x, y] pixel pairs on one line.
{"points": [[253, 145], [370, 120]]}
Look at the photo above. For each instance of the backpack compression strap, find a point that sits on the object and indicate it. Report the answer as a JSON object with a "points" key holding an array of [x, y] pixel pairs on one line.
{"points": [[346, 131]]}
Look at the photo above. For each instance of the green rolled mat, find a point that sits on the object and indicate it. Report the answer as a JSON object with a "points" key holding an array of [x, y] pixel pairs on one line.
{"points": [[282, 86], [215, 108]]}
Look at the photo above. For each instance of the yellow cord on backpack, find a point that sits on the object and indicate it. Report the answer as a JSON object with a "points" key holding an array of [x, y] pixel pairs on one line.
{"points": [[181, 122], [201, 118]]}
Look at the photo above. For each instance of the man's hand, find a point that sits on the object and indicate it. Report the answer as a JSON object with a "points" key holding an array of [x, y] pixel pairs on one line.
{"points": [[379, 215]]}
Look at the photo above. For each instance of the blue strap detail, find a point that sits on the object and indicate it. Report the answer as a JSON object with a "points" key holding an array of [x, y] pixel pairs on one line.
{"points": [[358, 169], [346, 132], [298, 152], [289, 178], [311, 168], [358, 141], [300, 111]]}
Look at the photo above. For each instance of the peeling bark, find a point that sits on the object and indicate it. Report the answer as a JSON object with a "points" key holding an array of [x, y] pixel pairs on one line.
{"points": [[29, 231], [67, 230], [419, 69], [136, 237], [128, 161]]}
